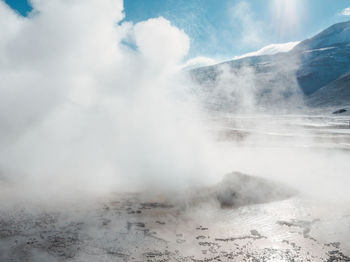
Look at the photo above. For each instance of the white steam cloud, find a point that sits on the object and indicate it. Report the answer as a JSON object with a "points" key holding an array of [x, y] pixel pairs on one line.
{"points": [[84, 111], [90, 103]]}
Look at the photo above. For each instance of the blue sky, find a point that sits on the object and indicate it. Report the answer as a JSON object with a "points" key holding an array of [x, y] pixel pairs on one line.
{"points": [[223, 29]]}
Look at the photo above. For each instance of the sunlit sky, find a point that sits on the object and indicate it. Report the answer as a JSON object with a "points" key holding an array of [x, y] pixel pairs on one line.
{"points": [[223, 29]]}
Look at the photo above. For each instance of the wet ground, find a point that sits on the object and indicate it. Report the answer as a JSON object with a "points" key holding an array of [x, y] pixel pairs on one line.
{"points": [[323, 131], [251, 219], [125, 228]]}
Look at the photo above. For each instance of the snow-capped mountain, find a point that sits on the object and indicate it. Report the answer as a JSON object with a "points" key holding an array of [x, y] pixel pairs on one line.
{"points": [[316, 70]]}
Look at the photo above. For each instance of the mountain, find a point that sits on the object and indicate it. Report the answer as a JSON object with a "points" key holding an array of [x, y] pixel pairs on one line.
{"points": [[315, 72], [337, 93], [324, 57], [335, 35]]}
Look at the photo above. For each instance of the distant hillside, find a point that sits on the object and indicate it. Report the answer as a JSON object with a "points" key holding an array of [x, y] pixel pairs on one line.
{"points": [[337, 93], [317, 69]]}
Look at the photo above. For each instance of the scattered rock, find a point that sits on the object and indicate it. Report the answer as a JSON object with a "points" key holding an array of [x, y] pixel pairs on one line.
{"points": [[238, 190], [151, 205], [202, 228], [135, 224], [340, 111]]}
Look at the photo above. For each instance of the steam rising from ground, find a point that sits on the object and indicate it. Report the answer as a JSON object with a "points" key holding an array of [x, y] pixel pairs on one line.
{"points": [[92, 103]]}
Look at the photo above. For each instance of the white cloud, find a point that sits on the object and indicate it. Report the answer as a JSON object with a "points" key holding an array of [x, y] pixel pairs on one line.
{"points": [[270, 50], [346, 11]]}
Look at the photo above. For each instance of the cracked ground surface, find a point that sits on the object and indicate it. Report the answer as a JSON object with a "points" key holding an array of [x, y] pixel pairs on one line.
{"points": [[135, 227]]}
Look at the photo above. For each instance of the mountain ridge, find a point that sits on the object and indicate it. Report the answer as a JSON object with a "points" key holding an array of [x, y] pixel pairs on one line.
{"points": [[315, 63]]}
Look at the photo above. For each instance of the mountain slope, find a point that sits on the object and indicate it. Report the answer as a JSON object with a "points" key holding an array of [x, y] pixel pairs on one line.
{"points": [[334, 35], [319, 67], [336, 93], [322, 61]]}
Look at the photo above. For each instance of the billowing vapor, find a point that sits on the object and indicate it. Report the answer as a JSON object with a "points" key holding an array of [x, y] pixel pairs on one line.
{"points": [[92, 103], [113, 148]]}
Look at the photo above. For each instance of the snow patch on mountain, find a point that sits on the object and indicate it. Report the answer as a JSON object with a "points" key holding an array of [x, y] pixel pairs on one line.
{"points": [[270, 50], [346, 11], [199, 61]]}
